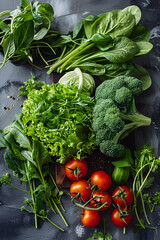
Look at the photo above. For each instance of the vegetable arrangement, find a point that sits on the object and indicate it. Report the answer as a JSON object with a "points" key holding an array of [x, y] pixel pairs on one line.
{"points": [[65, 122]]}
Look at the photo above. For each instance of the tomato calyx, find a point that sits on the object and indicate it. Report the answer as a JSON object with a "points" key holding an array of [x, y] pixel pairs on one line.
{"points": [[122, 195], [75, 171]]}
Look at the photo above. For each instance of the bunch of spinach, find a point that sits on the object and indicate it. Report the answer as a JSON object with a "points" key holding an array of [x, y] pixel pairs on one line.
{"points": [[24, 32], [29, 162], [112, 38]]}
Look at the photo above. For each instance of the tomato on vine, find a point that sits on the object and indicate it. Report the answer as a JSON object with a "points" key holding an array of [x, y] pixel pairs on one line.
{"points": [[76, 169], [101, 179], [90, 218], [120, 218], [99, 198], [80, 190], [122, 196]]}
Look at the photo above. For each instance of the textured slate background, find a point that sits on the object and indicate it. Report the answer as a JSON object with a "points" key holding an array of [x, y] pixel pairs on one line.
{"points": [[17, 225]]}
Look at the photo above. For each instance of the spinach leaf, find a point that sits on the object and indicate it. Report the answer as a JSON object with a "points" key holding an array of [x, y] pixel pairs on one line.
{"points": [[124, 49], [103, 42], [93, 68], [140, 33], [77, 29], [88, 21], [136, 12], [144, 47], [115, 23]]}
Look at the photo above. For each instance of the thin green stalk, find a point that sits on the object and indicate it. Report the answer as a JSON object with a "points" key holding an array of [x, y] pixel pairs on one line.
{"points": [[72, 54], [142, 184], [42, 56], [19, 188], [4, 13], [54, 224], [79, 53], [63, 218]]}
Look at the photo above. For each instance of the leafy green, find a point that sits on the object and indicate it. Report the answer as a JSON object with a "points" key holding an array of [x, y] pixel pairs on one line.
{"points": [[53, 115], [24, 31], [101, 236], [29, 162], [83, 81]]}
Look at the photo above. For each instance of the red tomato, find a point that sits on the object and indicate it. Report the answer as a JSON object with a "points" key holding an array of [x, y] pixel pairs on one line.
{"points": [[76, 169], [122, 195], [101, 179], [81, 188], [118, 221], [90, 218], [98, 201]]}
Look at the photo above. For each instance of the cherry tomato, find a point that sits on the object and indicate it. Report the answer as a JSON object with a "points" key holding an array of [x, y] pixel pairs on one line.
{"points": [[101, 179], [90, 218], [118, 221], [76, 169], [98, 201], [122, 195], [81, 188]]}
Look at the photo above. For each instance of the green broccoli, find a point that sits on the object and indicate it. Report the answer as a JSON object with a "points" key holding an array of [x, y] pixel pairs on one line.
{"points": [[115, 115]]}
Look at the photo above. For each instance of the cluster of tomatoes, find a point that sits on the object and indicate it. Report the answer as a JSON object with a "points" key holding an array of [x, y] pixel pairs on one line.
{"points": [[94, 196]]}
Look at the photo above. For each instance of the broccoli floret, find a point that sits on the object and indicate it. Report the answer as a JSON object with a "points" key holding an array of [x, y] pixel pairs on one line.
{"points": [[115, 115], [109, 148], [124, 97]]}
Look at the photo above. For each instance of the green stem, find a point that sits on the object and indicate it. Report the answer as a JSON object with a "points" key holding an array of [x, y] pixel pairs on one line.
{"points": [[4, 13], [60, 213], [54, 224], [69, 56], [79, 53], [19, 188]]}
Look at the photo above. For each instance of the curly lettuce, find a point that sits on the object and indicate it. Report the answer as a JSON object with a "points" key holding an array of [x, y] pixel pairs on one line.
{"points": [[61, 118]]}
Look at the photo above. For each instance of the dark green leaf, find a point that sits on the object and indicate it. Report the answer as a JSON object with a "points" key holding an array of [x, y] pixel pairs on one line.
{"points": [[140, 33], [122, 163], [24, 34], [40, 153], [88, 21], [8, 46], [103, 42], [46, 11], [115, 23], [24, 3], [77, 29], [144, 47], [21, 139]]}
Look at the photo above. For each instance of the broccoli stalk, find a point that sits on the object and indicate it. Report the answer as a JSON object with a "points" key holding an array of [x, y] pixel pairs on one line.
{"points": [[137, 120]]}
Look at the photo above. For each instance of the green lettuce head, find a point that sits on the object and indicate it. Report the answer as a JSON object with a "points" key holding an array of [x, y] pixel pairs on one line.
{"points": [[83, 81]]}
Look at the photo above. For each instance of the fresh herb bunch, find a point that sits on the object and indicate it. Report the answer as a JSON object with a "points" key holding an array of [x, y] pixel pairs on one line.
{"points": [[24, 31], [29, 162], [105, 41], [145, 163], [60, 118]]}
